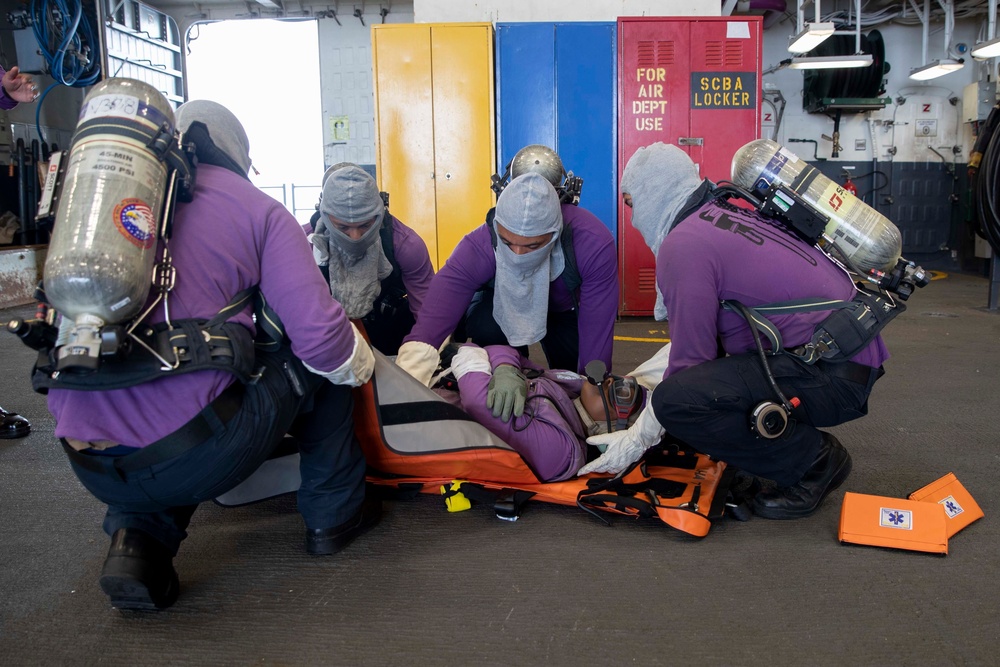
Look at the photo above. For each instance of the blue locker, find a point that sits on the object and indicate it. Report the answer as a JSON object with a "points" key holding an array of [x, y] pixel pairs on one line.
{"points": [[557, 86]]}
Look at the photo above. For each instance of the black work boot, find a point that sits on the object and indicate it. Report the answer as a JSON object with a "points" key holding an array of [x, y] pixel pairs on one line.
{"points": [[828, 471], [328, 541], [13, 425], [139, 573]]}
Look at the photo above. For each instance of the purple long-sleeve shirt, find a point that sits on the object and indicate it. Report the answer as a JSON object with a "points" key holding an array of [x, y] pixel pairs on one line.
{"points": [[549, 435], [473, 264], [719, 253], [232, 236], [414, 263], [6, 102]]}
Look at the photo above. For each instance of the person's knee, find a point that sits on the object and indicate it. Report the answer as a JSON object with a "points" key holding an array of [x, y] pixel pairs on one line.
{"points": [[669, 399]]}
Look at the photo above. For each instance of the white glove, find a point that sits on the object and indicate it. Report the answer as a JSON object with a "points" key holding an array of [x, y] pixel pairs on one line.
{"points": [[357, 369], [650, 372], [419, 360], [470, 359], [625, 447]]}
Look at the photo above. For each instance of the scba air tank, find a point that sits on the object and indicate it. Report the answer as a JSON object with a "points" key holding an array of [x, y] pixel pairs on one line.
{"points": [[861, 236], [103, 246]]}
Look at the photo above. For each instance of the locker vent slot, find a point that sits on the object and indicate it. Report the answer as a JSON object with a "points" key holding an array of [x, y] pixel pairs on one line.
{"points": [[647, 280], [724, 54], [655, 54]]}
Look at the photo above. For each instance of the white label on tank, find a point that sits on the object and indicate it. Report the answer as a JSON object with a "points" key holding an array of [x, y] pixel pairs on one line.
{"points": [[121, 304], [121, 159], [110, 105], [789, 155]]}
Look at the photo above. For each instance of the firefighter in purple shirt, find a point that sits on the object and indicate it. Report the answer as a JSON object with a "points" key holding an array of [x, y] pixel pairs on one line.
{"points": [[538, 271], [379, 270], [152, 452], [16, 87], [708, 251]]}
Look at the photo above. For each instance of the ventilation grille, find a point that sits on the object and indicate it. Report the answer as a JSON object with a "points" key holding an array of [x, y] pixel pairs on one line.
{"points": [[724, 54], [656, 54], [647, 280]]}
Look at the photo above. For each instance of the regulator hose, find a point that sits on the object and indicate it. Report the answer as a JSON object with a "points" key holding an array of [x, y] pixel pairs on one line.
{"points": [[984, 170]]}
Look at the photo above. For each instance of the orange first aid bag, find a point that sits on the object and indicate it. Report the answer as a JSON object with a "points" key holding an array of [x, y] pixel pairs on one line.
{"points": [[894, 523], [959, 506]]}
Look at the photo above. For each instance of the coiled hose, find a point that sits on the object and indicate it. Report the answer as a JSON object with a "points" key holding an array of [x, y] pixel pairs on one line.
{"points": [[984, 169]]}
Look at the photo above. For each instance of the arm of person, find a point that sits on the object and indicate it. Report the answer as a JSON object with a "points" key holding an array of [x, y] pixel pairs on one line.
{"points": [[542, 438], [689, 282], [415, 264], [470, 266], [320, 333], [16, 87], [598, 305]]}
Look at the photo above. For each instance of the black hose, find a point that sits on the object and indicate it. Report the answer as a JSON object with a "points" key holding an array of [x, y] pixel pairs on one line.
{"points": [[984, 167], [874, 188], [763, 357]]}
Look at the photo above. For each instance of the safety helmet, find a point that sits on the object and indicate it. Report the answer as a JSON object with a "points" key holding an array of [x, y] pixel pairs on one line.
{"points": [[542, 160], [538, 159]]}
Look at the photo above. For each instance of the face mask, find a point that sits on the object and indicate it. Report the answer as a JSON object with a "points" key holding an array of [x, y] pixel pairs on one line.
{"points": [[526, 264], [354, 249]]}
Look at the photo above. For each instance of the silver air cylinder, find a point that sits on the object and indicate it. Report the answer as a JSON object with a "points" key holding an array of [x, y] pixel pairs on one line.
{"points": [[103, 245], [861, 236]]}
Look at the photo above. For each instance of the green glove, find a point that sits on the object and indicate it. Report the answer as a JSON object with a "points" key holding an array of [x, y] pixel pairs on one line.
{"points": [[507, 391]]}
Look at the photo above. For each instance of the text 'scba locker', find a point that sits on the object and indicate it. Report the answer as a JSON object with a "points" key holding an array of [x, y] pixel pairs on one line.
{"points": [[557, 86], [434, 127], [692, 82]]}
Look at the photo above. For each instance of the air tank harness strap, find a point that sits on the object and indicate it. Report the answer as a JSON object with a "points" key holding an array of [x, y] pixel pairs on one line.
{"points": [[845, 332], [185, 345]]}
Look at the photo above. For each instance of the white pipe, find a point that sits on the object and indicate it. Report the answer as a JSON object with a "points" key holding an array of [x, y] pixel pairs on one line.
{"points": [[857, 38], [949, 23], [992, 26]]}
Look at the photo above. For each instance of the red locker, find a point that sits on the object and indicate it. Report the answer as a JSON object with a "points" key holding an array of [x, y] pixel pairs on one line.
{"points": [[694, 82]]}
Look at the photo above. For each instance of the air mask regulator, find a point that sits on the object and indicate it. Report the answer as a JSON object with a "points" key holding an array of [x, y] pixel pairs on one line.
{"points": [[624, 394]]}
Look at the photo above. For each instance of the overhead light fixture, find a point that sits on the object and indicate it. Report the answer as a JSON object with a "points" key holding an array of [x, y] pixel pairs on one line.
{"points": [[936, 68], [990, 49], [831, 62], [808, 39]]}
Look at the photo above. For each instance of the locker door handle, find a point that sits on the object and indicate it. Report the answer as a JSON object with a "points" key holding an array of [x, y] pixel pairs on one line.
{"points": [[690, 141]]}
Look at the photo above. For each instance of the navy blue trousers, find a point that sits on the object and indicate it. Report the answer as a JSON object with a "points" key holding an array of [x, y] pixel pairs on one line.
{"points": [[161, 498], [708, 408]]}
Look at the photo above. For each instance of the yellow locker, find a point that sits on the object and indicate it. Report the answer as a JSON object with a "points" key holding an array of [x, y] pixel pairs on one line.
{"points": [[434, 127]]}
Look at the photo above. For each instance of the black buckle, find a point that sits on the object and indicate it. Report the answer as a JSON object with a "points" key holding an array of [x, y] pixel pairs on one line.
{"points": [[507, 507]]}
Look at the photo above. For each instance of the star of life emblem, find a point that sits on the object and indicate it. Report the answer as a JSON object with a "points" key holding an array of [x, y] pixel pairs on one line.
{"points": [[951, 507], [893, 518]]}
